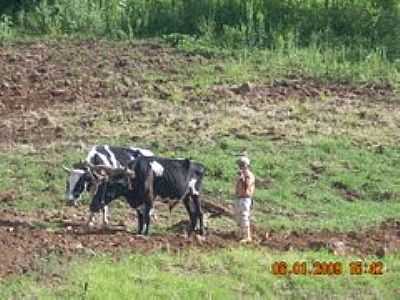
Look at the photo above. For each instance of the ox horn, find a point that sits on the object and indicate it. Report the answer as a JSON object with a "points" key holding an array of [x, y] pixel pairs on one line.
{"points": [[67, 169], [130, 172], [90, 172], [96, 170], [102, 169]]}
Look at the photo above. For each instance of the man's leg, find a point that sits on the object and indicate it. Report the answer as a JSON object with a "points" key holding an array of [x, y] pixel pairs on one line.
{"points": [[245, 219], [238, 218]]}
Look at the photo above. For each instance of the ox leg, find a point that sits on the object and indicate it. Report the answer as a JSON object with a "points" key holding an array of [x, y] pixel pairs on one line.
{"points": [[149, 198], [186, 202], [153, 215], [90, 222], [146, 219], [105, 215], [140, 221], [198, 213]]}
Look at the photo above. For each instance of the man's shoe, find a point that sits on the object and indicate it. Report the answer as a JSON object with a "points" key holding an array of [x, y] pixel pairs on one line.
{"points": [[246, 237]]}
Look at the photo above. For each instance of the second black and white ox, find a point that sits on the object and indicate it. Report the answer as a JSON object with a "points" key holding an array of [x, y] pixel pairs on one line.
{"points": [[82, 179], [148, 178]]}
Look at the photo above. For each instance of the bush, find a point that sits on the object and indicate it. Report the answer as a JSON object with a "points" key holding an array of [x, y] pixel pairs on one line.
{"points": [[354, 24]]}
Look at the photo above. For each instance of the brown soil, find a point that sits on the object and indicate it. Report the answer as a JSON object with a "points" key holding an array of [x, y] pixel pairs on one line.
{"points": [[25, 238], [282, 90], [44, 74], [378, 240], [43, 82]]}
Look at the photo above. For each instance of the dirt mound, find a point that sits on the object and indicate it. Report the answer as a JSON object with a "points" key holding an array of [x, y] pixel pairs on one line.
{"points": [[378, 241], [44, 83], [30, 79], [8, 196], [44, 74], [24, 239], [309, 88]]}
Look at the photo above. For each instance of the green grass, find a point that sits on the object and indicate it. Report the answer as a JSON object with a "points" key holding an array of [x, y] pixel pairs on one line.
{"points": [[241, 273], [38, 180], [290, 61], [255, 23], [357, 49], [300, 198], [350, 185]]}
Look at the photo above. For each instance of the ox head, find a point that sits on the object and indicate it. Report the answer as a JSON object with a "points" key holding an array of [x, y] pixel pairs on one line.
{"points": [[113, 182], [80, 179]]}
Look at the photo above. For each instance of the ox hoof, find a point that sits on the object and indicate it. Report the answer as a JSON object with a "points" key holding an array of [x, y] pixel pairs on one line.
{"points": [[200, 238], [245, 241], [142, 236], [90, 224]]}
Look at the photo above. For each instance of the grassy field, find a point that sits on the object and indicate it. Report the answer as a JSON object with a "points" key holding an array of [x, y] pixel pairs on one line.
{"points": [[322, 135], [240, 273], [323, 183]]}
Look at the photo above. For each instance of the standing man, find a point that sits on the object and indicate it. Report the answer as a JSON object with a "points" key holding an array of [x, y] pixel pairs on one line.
{"points": [[245, 186]]}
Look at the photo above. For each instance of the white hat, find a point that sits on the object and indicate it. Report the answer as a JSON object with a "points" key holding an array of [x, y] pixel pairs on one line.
{"points": [[243, 161]]}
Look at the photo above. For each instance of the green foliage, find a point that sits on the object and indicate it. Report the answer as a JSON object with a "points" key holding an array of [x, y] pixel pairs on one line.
{"points": [[6, 27], [230, 23], [287, 59]]}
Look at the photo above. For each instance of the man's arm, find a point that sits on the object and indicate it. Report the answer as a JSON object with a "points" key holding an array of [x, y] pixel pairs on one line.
{"points": [[246, 180], [251, 182]]}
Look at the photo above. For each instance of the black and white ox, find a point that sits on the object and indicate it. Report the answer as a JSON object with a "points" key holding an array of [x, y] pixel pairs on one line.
{"points": [[83, 179], [148, 178]]}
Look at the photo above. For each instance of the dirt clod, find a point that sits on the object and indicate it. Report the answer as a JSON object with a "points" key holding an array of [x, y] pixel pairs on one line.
{"points": [[8, 196], [337, 247], [243, 89]]}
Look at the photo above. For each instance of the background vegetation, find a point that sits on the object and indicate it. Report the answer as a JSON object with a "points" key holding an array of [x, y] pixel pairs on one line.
{"points": [[360, 26]]}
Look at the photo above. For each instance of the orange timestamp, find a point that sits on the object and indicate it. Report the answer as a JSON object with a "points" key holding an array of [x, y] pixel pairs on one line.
{"points": [[327, 268]]}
